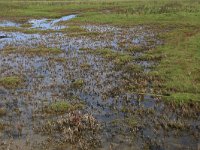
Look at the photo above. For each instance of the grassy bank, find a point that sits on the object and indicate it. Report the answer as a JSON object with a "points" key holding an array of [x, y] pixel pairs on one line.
{"points": [[179, 70]]}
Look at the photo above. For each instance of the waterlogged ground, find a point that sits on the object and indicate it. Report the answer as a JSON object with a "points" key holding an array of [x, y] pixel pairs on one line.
{"points": [[86, 90]]}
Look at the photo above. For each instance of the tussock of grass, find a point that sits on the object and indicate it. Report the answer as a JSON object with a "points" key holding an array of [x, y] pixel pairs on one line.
{"points": [[117, 57], [135, 48], [123, 59], [132, 68], [60, 60], [62, 107], [43, 51], [75, 31], [85, 66], [26, 25], [11, 82], [77, 83], [150, 57], [132, 122], [106, 53]]}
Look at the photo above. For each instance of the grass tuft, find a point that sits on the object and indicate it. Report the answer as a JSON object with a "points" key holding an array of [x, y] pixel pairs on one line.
{"points": [[11, 82]]}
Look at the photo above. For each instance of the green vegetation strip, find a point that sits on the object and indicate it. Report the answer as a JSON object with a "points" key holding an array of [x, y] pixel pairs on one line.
{"points": [[118, 12]]}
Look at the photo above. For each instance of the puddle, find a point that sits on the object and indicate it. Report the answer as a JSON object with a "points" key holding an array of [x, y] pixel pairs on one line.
{"points": [[18, 38], [42, 24], [62, 40], [9, 24], [45, 24], [3, 36]]}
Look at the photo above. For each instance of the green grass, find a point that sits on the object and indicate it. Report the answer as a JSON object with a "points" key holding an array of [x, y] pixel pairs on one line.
{"points": [[134, 48], [132, 68], [108, 12], [11, 82], [44, 51], [132, 122], [180, 69], [62, 107], [79, 83], [75, 31], [118, 58], [184, 97]]}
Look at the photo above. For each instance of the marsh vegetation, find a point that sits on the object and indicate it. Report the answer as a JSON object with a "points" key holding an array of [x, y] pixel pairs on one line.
{"points": [[99, 74]]}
